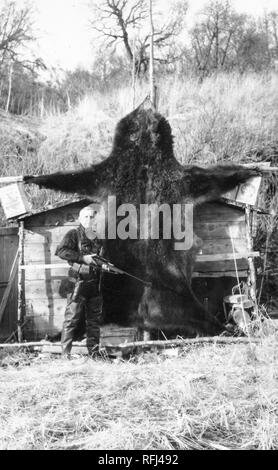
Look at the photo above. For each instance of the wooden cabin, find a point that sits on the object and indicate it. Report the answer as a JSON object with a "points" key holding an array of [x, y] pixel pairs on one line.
{"points": [[37, 297]]}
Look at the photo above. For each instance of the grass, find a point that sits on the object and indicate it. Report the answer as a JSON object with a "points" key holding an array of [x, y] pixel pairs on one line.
{"points": [[209, 397], [226, 117]]}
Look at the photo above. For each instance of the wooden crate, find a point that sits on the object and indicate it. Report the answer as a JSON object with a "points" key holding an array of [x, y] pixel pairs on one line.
{"points": [[112, 335]]}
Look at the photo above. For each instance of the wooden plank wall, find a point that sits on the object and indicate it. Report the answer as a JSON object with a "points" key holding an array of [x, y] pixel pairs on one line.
{"points": [[8, 249], [220, 227]]}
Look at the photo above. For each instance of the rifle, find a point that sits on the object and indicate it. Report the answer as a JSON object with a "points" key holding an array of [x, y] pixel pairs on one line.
{"points": [[105, 265]]}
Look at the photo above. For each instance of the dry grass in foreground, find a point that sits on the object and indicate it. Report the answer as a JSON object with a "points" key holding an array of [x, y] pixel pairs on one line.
{"points": [[212, 397]]}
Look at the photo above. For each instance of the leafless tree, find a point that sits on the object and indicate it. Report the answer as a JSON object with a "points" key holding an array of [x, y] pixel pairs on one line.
{"points": [[15, 31], [16, 34], [118, 20], [214, 35], [252, 51], [273, 20]]}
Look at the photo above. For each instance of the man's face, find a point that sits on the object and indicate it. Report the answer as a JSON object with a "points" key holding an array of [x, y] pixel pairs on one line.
{"points": [[88, 219]]}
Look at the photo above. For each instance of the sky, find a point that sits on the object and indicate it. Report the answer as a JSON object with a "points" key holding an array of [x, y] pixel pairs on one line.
{"points": [[65, 40]]}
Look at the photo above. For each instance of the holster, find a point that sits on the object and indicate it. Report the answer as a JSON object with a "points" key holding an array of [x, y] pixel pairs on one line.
{"points": [[84, 284], [77, 289]]}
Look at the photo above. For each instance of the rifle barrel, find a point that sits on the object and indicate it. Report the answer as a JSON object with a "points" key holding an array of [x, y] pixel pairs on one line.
{"points": [[270, 169], [137, 279]]}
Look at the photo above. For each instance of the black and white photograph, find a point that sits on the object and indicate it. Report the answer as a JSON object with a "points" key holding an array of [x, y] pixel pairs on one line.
{"points": [[138, 227]]}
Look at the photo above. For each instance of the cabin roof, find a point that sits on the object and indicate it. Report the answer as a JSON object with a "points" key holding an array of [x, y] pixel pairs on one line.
{"points": [[58, 205], [68, 202]]}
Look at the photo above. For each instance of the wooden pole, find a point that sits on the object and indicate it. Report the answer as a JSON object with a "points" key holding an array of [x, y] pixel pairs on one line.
{"points": [[10, 87], [203, 258], [11, 179], [252, 270], [33, 267], [16, 179], [160, 344], [152, 80], [134, 68], [28, 345], [21, 277], [5, 298]]}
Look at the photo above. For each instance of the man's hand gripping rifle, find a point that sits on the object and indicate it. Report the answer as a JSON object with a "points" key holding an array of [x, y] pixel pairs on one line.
{"points": [[103, 264]]}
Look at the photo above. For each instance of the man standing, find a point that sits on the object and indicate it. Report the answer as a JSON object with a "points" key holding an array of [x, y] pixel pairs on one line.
{"points": [[78, 247]]}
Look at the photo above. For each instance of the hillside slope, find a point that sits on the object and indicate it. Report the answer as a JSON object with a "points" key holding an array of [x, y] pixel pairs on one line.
{"points": [[20, 140], [224, 118]]}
